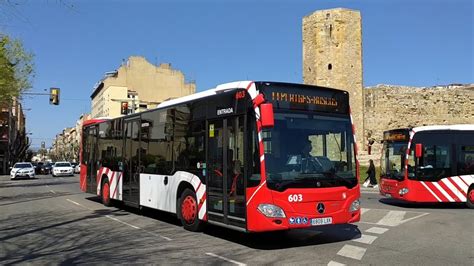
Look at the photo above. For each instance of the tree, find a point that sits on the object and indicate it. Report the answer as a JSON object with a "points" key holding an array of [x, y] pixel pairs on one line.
{"points": [[16, 68]]}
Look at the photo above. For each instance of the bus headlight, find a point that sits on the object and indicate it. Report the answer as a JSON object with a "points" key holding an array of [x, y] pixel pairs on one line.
{"points": [[355, 205], [403, 191], [272, 211]]}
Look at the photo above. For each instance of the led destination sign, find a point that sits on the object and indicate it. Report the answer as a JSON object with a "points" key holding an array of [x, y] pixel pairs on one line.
{"points": [[303, 99], [396, 136], [307, 98]]}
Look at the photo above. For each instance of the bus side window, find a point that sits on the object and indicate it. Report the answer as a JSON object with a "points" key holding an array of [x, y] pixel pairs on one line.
{"points": [[465, 160]]}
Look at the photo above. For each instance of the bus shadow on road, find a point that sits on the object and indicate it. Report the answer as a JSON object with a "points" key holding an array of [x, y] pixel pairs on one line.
{"points": [[420, 205], [287, 239]]}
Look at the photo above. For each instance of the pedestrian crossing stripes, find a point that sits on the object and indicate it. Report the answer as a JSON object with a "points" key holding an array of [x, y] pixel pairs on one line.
{"points": [[365, 239], [353, 252]]}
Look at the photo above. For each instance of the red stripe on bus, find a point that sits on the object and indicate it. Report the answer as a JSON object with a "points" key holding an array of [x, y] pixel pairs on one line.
{"points": [[457, 187], [201, 202], [436, 191], [449, 191], [465, 182], [118, 182]]}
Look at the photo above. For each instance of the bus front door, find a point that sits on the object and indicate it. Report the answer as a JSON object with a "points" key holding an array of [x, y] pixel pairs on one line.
{"points": [[225, 177], [131, 159]]}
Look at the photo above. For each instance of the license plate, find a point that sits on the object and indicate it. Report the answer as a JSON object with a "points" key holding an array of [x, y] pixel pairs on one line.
{"points": [[388, 195], [321, 221]]}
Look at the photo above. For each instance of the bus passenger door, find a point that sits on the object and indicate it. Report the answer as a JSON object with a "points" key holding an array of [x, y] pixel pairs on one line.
{"points": [[225, 176], [131, 159]]}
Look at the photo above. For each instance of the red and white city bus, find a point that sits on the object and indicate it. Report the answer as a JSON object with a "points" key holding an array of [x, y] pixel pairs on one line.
{"points": [[429, 164], [235, 156]]}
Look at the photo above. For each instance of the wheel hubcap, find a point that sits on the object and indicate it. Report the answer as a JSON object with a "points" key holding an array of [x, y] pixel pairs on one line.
{"points": [[471, 195], [189, 209]]}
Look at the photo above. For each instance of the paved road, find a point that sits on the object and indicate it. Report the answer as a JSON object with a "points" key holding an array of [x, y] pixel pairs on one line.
{"points": [[49, 220]]}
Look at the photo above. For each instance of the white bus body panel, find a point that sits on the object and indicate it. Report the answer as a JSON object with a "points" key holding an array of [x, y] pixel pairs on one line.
{"points": [[156, 195]]}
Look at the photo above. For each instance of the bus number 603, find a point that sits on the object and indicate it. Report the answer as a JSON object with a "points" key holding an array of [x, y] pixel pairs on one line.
{"points": [[295, 198]]}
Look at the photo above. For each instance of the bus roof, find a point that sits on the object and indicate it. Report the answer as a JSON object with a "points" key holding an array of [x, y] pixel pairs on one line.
{"points": [[444, 127], [202, 94]]}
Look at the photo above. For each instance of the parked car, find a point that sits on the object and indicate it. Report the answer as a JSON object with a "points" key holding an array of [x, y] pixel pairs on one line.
{"points": [[46, 169], [22, 169], [62, 169]]}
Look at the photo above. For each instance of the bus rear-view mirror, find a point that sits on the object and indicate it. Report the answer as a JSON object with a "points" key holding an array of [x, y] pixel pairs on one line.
{"points": [[418, 150], [266, 112]]}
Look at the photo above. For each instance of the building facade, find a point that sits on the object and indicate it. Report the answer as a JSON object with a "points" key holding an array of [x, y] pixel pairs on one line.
{"points": [[140, 84], [14, 141]]}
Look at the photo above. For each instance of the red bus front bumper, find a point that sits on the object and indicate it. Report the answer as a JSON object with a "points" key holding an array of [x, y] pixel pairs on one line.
{"points": [[304, 213]]}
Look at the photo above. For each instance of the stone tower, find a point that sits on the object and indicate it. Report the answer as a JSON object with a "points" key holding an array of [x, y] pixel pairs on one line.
{"points": [[332, 57]]}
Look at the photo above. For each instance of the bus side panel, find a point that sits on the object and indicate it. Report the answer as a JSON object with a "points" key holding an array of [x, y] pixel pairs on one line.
{"points": [[448, 189], [160, 191], [115, 182], [83, 178]]}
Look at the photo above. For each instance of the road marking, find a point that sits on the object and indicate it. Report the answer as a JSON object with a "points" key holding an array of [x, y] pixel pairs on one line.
{"points": [[117, 220], [364, 210], [376, 230], [353, 252], [122, 222], [52, 191], [78, 204], [413, 218], [392, 218], [226, 259], [366, 239], [335, 263]]}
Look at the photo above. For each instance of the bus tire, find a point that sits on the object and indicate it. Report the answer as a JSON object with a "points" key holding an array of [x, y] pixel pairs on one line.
{"points": [[470, 197], [105, 193], [188, 211]]}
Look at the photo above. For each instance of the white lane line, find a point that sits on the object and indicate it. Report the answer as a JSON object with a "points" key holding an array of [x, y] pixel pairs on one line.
{"points": [[353, 252], [52, 191], [335, 263], [226, 259], [117, 220], [366, 239], [73, 202], [364, 210], [376, 230], [157, 235], [122, 222], [392, 218]]}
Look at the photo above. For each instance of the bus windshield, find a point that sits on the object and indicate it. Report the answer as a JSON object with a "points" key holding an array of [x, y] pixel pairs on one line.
{"points": [[306, 150], [393, 160]]}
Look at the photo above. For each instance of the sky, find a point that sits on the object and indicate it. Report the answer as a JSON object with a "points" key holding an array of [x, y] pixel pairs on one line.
{"points": [[405, 42]]}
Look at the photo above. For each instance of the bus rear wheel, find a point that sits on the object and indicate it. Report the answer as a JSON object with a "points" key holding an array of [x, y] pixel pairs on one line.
{"points": [[188, 211], [470, 198], [105, 193]]}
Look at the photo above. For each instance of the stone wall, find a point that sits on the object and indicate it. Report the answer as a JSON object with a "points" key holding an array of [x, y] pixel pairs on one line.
{"points": [[389, 107]]}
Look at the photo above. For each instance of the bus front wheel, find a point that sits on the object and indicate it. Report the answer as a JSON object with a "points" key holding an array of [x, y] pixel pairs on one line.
{"points": [[470, 197], [105, 193], [188, 211]]}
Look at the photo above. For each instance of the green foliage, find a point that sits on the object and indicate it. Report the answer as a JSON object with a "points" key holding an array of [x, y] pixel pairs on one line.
{"points": [[16, 68]]}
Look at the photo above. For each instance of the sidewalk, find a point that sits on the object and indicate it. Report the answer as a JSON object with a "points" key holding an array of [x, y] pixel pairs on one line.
{"points": [[369, 189]]}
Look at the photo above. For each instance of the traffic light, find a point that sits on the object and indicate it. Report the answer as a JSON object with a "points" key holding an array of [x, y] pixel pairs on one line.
{"points": [[124, 108], [54, 96]]}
